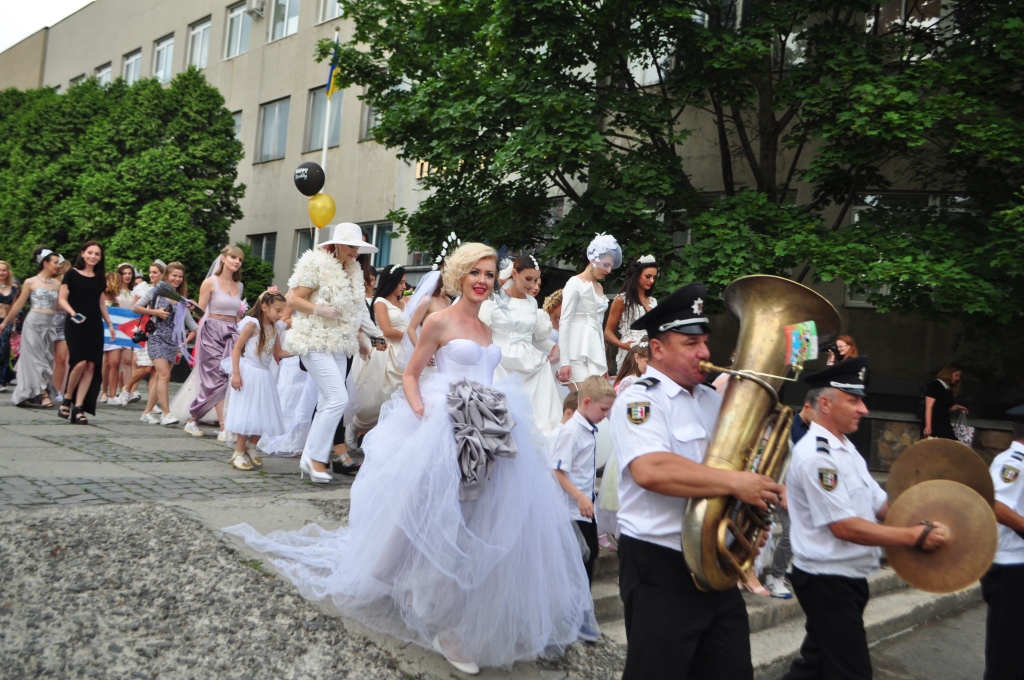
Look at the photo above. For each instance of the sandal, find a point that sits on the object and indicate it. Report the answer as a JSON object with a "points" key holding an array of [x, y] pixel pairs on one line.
{"points": [[351, 469], [47, 404], [77, 417], [64, 411]]}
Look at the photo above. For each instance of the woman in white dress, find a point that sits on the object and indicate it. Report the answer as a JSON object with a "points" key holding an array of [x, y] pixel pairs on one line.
{"points": [[632, 302], [377, 377], [297, 394], [580, 332], [457, 557], [521, 331]]}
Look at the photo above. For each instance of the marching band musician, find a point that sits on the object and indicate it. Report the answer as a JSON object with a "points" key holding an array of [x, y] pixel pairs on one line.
{"points": [[833, 507], [1003, 586], [661, 426]]}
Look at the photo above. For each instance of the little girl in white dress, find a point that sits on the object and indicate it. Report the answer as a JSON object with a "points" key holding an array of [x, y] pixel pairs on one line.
{"points": [[464, 559], [255, 409]]}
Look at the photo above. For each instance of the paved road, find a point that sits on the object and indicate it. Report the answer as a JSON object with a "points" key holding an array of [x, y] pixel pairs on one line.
{"points": [[951, 648], [46, 461]]}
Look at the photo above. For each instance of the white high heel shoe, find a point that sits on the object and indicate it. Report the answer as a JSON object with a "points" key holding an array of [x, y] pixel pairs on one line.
{"points": [[306, 468], [467, 667]]}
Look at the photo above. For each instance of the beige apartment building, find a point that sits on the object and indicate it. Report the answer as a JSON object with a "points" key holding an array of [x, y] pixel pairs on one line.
{"points": [[259, 54]]}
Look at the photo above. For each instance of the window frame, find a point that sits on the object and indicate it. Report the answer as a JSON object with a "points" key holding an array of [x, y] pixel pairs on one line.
{"points": [[203, 26], [238, 123], [368, 119], [262, 240], [165, 45], [277, 127], [300, 236], [288, 4], [132, 60], [105, 70], [322, 13], [311, 144], [77, 80], [376, 229], [244, 20]]}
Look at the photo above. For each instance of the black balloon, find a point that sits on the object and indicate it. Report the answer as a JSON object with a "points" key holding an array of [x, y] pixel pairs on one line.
{"points": [[309, 178]]}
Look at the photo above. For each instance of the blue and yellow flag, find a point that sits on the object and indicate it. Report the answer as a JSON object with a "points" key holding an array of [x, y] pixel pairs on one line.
{"points": [[332, 85]]}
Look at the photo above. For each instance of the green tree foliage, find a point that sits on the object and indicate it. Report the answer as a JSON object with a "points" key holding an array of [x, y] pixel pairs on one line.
{"points": [[620, 107], [149, 171]]}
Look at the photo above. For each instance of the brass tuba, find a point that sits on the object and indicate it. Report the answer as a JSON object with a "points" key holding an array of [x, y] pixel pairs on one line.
{"points": [[720, 535]]}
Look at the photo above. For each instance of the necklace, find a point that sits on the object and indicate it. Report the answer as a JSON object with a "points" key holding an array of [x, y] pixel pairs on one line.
{"points": [[46, 281]]}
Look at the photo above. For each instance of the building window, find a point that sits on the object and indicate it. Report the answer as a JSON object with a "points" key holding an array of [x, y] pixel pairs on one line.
{"points": [[273, 130], [103, 74], [303, 242], [237, 116], [199, 44], [163, 58], [379, 234], [239, 23], [370, 118], [77, 80], [315, 123], [132, 70], [285, 19], [330, 9], [422, 169], [263, 246]]}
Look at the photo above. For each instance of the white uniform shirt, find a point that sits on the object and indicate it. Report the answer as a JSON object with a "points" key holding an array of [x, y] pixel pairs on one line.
{"points": [[828, 481], [574, 452], [1006, 477], [651, 417]]}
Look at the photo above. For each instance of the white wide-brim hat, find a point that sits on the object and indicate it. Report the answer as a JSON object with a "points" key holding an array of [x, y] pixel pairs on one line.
{"points": [[349, 234]]}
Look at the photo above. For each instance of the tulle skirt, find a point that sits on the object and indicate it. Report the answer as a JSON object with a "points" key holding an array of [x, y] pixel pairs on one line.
{"points": [[297, 394], [255, 409], [502, 574]]}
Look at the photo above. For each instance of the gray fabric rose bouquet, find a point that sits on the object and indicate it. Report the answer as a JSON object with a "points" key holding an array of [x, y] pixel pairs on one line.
{"points": [[483, 430]]}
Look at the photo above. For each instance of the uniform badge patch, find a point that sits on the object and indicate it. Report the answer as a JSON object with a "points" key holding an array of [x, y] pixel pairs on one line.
{"points": [[638, 412], [828, 478], [1009, 473]]}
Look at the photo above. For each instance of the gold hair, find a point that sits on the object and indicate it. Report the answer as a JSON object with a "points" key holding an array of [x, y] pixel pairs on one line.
{"points": [[595, 387], [462, 261]]}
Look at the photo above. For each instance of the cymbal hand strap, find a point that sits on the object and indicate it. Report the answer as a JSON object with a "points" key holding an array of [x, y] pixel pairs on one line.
{"points": [[928, 526]]}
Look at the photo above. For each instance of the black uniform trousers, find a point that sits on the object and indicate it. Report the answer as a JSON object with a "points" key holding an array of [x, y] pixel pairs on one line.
{"points": [[1003, 590], [836, 646], [674, 630]]}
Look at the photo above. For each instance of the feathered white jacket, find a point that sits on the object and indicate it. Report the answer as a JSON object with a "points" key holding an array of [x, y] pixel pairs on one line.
{"points": [[333, 285]]}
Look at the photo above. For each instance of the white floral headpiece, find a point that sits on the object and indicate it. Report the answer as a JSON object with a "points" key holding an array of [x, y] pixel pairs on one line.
{"points": [[604, 244], [646, 259], [450, 241], [505, 269], [43, 254]]}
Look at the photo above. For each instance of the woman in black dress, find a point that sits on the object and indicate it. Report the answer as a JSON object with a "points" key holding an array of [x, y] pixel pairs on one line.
{"points": [[938, 403], [82, 293]]}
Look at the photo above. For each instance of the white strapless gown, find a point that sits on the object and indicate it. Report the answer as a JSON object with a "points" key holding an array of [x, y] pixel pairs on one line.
{"points": [[501, 574]]}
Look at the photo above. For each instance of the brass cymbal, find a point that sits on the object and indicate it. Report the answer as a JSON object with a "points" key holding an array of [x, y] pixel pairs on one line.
{"points": [[939, 459], [970, 542]]}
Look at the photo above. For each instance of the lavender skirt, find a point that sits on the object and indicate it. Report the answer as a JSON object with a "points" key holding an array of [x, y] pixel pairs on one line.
{"points": [[215, 341]]}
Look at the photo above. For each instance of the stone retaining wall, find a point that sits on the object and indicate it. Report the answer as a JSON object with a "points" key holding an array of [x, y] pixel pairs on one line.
{"points": [[892, 433]]}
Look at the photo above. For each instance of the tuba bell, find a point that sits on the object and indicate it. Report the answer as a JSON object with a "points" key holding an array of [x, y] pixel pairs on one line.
{"points": [[720, 535]]}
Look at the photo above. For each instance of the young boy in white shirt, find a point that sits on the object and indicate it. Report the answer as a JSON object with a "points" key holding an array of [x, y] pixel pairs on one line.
{"points": [[574, 458]]}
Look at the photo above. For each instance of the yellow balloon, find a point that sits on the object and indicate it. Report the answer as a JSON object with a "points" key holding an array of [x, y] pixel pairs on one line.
{"points": [[321, 210]]}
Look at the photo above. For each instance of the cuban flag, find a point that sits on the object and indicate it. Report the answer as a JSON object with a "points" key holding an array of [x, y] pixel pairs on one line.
{"points": [[126, 322]]}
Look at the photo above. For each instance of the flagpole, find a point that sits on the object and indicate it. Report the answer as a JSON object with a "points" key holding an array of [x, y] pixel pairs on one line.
{"points": [[327, 122]]}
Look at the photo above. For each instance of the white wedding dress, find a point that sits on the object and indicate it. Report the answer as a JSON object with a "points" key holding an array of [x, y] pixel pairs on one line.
{"points": [[522, 331], [502, 574]]}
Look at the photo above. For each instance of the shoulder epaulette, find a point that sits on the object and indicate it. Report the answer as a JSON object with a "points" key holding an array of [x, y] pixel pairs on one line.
{"points": [[1017, 456], [647, 382], [823, 446]]}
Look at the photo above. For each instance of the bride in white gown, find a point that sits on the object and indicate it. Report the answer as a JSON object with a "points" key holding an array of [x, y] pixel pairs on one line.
{"points": [[454, 539], [522, 332]]}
